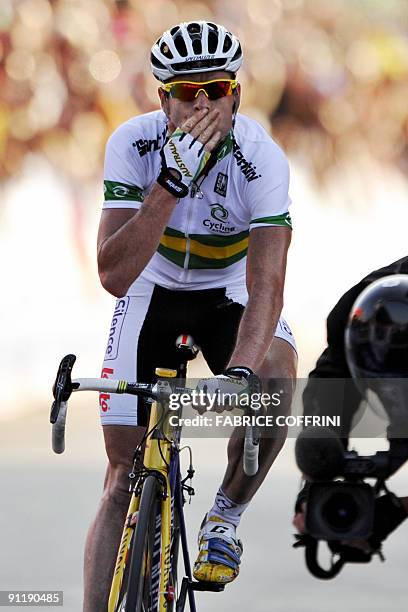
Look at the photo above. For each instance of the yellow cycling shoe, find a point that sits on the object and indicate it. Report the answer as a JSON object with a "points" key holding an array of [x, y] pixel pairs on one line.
{"points": [[219, 553]]}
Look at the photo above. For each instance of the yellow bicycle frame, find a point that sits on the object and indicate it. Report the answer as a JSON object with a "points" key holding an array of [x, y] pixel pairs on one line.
{"points": [[158, 461]]}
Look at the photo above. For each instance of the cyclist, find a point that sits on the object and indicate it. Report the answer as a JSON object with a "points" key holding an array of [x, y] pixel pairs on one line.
{"points": [[335, 363], [193, 238]]}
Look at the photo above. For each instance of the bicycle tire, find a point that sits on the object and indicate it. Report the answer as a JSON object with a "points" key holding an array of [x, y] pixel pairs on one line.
{"points": [[175, 546], [139, 591]]}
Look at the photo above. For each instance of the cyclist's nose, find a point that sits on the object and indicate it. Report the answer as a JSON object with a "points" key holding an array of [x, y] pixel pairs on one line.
{"points": [[201, 102]]}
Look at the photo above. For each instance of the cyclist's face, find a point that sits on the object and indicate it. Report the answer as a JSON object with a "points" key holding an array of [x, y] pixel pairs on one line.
{"points": [[178, 111]]}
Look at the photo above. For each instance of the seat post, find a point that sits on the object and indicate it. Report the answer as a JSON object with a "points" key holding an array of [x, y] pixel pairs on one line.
{"points": [[187, 350]]}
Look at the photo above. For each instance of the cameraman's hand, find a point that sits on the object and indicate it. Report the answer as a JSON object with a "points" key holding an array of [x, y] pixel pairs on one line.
{"points": [[298, 520]]}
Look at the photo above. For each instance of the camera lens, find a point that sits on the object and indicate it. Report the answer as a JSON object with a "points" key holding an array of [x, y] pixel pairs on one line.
{"points": [[340, 511]]}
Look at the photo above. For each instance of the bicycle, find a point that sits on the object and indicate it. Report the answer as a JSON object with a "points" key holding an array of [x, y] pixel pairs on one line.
{"points": [[145, 574]]}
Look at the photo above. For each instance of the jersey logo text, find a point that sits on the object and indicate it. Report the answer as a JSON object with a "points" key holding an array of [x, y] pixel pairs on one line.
{"points": [[116, 328], [247, 168], [221, 184], [147, 146], [178, 160], [220, 214], [105, 397]]}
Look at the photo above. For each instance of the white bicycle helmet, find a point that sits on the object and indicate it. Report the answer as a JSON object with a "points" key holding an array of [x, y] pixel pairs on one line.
{"points": [[195, 46]]}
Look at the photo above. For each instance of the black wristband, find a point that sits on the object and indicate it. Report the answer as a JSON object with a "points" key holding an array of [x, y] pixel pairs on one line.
{"points": [[172, 184], [254, 382]]}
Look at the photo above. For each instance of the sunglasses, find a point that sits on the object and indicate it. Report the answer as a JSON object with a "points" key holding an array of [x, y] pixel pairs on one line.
{"points": [[187, 91]]}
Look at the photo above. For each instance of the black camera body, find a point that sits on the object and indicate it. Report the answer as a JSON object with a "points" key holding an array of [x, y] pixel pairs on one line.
{"points": [[340, 504]]}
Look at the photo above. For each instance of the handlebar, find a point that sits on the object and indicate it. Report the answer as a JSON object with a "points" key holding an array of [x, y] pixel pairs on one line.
{"points": [[64, 386]]}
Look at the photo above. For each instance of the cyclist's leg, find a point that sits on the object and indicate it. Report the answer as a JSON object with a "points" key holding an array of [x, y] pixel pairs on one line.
{"points": [[217, 341], [142, 336], [119, 416], [280, 363], [218, 558], [106, 530]]}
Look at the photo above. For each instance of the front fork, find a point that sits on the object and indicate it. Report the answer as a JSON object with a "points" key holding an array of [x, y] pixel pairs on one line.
{"points": [[179, 487], [123, 552]]}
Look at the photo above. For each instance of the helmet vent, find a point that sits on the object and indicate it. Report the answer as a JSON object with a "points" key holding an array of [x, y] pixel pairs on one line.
{"points": [[174, 30], [197, 48], [227, 44], [166, 51], [194, 28], [180, 45], [237, 53], [156, 62], [212, 41]]}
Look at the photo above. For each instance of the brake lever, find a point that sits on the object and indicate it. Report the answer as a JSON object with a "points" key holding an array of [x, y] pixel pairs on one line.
{"points": [[62, 387]]}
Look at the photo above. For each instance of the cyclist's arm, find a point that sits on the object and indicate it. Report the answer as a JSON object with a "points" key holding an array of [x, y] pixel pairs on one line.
{"points": [[266, 267], [128, 238]]}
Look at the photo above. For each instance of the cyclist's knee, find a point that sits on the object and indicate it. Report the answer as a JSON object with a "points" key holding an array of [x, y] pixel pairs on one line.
{"points": [[278, 373], [120, 443], [116, 488], [280, 361]]}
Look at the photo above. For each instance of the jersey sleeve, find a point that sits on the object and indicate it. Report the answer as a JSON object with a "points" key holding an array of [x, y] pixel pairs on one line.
{"points": [[267, 189], [124, 172]]}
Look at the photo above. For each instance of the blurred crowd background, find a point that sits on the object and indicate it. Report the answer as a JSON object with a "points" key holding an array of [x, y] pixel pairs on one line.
{"points": [[328, 79]]}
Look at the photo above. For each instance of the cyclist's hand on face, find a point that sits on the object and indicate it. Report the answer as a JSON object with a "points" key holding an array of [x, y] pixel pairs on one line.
{"points": [[202, 126], [187, 150]]}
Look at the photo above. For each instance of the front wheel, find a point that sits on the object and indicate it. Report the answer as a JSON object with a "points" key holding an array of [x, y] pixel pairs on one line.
{"points": [[144, 570], [174, 553]]}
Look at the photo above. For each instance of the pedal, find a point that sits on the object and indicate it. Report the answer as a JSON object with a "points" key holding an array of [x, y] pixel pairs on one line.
{"points": [[215, 587]]}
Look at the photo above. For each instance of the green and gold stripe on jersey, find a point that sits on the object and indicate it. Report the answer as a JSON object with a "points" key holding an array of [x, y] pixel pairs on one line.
{"points": [[203, 251]]}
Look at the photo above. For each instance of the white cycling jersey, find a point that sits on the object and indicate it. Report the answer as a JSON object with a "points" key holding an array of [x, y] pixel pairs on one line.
{"points": [[205, 243]]}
